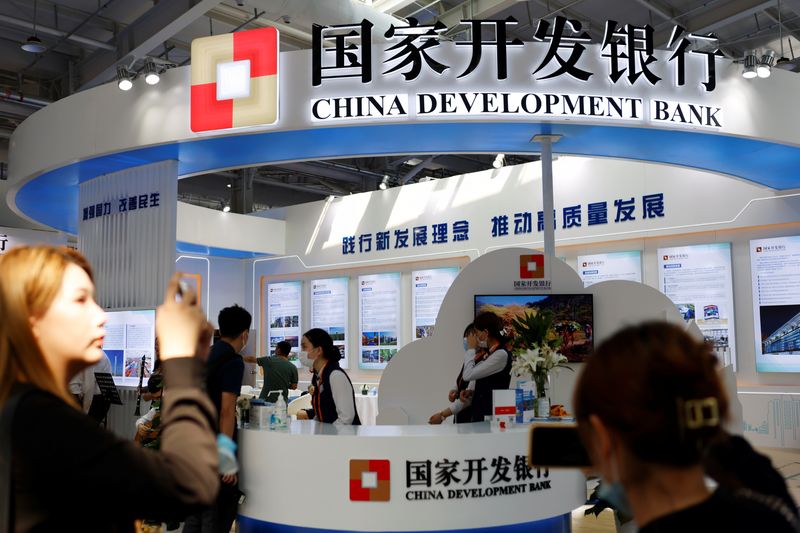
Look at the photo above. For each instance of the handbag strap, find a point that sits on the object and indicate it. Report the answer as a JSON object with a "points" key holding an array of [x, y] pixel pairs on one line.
{"points": [[6, 421]]}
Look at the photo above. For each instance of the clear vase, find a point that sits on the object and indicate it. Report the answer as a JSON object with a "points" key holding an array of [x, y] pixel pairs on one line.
{"points": [[542, 381]]}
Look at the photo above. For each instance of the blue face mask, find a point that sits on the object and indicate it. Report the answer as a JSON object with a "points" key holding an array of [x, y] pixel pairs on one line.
{"points": [[614, 494], [466, 344]]}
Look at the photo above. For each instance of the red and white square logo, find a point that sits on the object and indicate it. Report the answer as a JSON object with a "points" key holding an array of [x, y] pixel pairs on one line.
{"points": [[235, 80], [369, 480], [531, 266], [758, 249]]}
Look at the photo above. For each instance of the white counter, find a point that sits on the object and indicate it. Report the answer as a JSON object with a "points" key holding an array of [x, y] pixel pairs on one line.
{"points": [[400, 478]]}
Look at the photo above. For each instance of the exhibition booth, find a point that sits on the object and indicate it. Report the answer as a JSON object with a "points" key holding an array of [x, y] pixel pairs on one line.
{"points": [[673, 201]]}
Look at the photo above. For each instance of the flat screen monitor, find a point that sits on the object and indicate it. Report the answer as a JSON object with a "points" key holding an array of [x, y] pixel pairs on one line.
{"points": [[573, 318], [130, 339]]}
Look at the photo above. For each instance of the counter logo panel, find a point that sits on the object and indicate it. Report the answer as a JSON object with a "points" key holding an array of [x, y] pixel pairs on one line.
{"points": [[370, 480]]}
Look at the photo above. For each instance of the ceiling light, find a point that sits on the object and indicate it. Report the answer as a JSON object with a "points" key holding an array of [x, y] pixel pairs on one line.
{"points": [[750, 62], [414, 161], [384, 182], [124, 78], [226, 209], [229, 185], [499, 161], [34, 45], [764, 68], [151, 76]]}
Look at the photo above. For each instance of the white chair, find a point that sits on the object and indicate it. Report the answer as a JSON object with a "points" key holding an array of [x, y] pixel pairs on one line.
{"points": [[298, 404]]}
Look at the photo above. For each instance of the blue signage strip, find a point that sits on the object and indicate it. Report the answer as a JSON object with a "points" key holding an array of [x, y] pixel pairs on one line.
{"points": [[52, 198], [557, 524]]}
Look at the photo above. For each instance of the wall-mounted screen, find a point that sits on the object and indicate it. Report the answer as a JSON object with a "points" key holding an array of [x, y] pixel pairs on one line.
{"points": [[329, 311], [379, 319], [612, 266], [775, 265], [699, 281], [573, 318], [130, 339], [284, 303], [428, 288]]}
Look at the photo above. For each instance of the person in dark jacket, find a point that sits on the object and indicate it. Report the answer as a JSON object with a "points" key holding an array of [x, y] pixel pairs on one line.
{"points": [[55, 459], [650, 406], [488, 365], [333, 400], [462, 409]]}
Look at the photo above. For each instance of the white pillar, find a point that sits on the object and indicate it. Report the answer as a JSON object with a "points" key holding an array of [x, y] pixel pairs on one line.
{"points": [[547, 191], [126, 229]]}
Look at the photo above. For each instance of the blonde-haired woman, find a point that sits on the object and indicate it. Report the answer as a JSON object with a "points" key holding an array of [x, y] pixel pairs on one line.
{"points": [[58, 469]]}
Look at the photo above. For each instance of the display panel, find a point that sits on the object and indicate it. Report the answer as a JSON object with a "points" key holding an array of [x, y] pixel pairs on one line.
{"points": [[699, 280], [573, 318], [379, 319], [428, 288], [329, 311], [130, 336], [284, 303], [775, 265], [612, 266]]}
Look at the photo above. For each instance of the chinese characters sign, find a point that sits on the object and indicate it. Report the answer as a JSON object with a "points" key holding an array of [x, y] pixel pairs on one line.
{"points": [[628, 51], [648, 207], [560, 52], [122, 205], [481, 477]]}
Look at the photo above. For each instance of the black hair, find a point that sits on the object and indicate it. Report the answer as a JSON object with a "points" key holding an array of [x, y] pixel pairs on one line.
{"points": [[469, 329], [492, 323], [319, 338], [284, 346], [645, 381], [233, 321]]}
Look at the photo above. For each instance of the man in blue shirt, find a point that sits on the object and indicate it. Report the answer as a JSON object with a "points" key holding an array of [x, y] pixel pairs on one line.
{"points": [[224, 374]]}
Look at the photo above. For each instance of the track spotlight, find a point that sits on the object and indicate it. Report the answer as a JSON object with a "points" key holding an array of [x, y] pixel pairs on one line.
{"points": [[499, 161], [764, 68], [124, 78], [384, 182], [750, 62], [151, 75]]}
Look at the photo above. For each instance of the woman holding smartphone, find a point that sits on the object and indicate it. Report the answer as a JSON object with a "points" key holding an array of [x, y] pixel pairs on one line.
{"points": [[650, 407], [66, 472]]}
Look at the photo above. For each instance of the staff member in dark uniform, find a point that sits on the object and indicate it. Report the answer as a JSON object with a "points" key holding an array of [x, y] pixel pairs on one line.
{"points": [[489, 366], [333, 398], [458, 407]]}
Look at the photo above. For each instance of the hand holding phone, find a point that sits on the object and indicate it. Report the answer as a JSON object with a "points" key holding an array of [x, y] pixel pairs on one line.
{"points": [[557, 445]]}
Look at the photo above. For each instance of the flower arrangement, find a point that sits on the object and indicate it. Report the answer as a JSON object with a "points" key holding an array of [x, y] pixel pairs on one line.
{"points": [[537, 348]]}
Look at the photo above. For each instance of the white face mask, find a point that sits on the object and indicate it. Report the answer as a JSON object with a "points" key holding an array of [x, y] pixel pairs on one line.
{"points": [[304, 360]]}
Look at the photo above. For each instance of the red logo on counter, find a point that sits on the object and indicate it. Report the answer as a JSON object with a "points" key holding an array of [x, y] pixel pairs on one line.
{"points": [[235, 80], [369, 480], [531, 266]]}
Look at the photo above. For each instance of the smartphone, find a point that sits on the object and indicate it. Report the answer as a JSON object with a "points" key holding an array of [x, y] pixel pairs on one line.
{"points": [[556, 445]]}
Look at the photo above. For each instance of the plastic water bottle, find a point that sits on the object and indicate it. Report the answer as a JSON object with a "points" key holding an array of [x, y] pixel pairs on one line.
{"points": [[280, 414]]}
